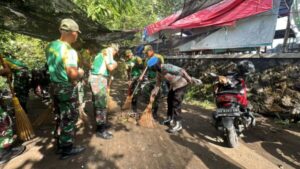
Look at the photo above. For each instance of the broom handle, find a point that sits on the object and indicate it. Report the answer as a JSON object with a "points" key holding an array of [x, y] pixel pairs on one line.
{"points": [[139, 81]]}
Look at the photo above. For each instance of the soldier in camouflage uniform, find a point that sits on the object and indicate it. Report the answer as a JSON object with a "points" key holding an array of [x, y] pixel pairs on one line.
{"points": [[62, 61], [151, 78], [20, 77], [134, 66], [7, 137], [102, 65]]}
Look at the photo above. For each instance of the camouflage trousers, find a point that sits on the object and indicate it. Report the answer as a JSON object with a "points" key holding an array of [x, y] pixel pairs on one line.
{"points": [[6, 130], [65, 101], [99, 85], [21, 87], [80, 92], [147, 88]]}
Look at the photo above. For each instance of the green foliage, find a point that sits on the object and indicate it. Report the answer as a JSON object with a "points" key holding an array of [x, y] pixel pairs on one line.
{"points": [[24, 48], [201, 96], [128, 14]]}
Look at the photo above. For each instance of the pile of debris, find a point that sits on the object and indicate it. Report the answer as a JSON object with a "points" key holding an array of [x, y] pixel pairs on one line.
{"points": [[276, 90], [273, 90]]}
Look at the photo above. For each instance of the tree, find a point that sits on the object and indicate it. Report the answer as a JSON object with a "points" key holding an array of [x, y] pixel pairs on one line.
{"points": [[128, 14], [26, 49]]}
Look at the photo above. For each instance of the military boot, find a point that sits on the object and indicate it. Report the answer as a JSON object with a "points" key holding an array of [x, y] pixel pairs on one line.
{"points": [[68, 151], [8, 154]]}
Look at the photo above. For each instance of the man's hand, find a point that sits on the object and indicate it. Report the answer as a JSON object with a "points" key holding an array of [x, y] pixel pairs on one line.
{"points": [[155, 91], [73, 74], [80, 73], [152, 98], [112, 66]]}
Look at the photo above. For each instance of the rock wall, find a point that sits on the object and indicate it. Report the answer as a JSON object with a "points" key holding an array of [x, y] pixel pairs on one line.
{"points": [[274, 88]]}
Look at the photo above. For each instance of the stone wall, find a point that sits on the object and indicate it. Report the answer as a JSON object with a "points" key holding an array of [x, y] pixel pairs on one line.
{"points": [[273, 89]]}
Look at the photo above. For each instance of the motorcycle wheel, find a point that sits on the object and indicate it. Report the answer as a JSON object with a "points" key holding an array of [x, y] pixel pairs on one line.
{"points": [[232, 138]]}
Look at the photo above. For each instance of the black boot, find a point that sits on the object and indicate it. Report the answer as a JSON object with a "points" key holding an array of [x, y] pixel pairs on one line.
{"points": [[8, 154], [68, 151], [176, 128], [103, 132], [58, 149]]}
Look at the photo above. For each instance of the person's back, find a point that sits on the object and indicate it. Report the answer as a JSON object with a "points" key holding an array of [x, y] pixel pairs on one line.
{"points": [[59, 55], [64, 75]]}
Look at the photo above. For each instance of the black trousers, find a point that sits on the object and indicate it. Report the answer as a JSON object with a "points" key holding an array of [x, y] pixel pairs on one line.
{"points": [[175, 98]]}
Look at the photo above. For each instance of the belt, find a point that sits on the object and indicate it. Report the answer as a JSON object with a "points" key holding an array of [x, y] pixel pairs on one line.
{"points": [[100, 75]]}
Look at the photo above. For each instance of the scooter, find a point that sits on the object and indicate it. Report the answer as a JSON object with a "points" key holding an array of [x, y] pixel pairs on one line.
{"points": [[232, 115]]}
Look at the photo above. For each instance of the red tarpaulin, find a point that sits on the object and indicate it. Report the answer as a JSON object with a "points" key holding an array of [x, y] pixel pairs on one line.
{"points": [[225, 13], [156, 27]]}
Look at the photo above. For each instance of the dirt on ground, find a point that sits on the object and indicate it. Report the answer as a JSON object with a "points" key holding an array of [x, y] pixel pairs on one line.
{"points": [[266, 146]]}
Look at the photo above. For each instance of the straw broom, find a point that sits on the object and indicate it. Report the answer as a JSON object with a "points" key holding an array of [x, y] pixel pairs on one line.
{"points": [[147, 119], [46, 116], [23, 126], [112, 105], [128, 101]]}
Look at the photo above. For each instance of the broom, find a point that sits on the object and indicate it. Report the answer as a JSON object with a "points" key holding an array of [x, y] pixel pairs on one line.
{"points": [[23, 126], [112, 105], [46, 116], [128, 101], [146, 119]]}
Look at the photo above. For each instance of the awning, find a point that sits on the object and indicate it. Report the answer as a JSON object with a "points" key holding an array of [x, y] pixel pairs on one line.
{"points": [[224, 13], [192, 6], [247, 33], [156, 27]]}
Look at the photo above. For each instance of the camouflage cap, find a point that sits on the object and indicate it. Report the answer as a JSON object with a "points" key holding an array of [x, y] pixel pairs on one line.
{"points": [[147, 48], [69, 25], [127, 52], [115, 46]]}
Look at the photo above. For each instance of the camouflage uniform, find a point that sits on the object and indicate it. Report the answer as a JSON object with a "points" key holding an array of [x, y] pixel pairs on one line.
{"points": [[6, 130], [64, 94], [65, 100], [136, 65], [99, 85]]}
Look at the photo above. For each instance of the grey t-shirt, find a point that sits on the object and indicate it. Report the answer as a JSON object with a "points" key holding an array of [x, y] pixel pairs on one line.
{"points": [[173, 74]]}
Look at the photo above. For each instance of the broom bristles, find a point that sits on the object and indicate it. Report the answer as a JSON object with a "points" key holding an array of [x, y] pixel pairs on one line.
{"points": [[127, 104], [112, 105], [46, 116], [23, 125], [146, 119]]}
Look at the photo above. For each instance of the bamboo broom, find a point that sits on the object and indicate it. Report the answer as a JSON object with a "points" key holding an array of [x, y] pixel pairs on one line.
{"points": [[147, 119], [23, 126], [45, 117], [128, 101], [112, 105]]}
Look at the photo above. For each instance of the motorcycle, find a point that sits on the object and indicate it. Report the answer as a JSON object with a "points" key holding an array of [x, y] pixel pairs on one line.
{"points": [[233, 114]]}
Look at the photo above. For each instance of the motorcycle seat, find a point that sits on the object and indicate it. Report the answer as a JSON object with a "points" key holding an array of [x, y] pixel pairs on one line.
{"points": [[229, 92]]}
